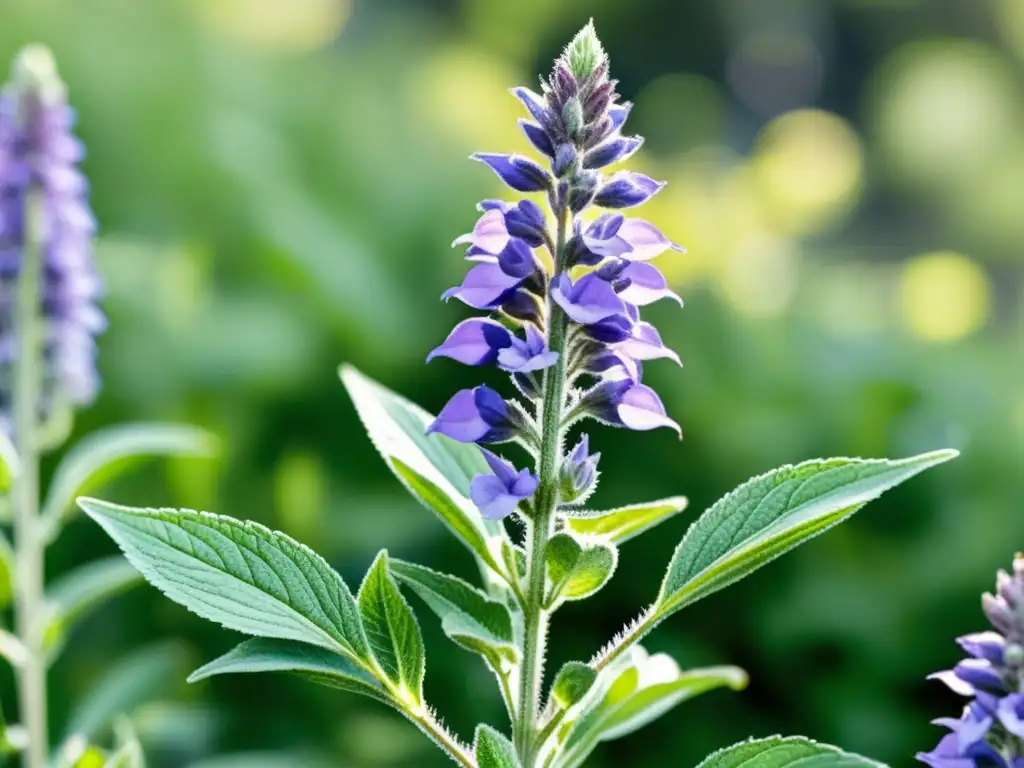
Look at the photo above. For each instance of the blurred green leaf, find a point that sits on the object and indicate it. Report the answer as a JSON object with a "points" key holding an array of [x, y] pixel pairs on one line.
{"points": [[128, 751], [624, 523], [493, 749], [392, 631], [308, 661], [644, 690], [573, 681], [100, 457], [435, 469], [239, 574], [10, 464], [77, 594], [769, 515], [790, 752], [577, 569], [262, 760], [6, 571], [11, 648], [133, 681]]}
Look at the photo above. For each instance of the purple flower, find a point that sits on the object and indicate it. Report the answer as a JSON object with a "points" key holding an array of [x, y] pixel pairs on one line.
{"points": [[490, 235], [520, 173], [477, 415], [1011, 713], [619, 113], [485, 286], [984, 645], [538, 137], [578, 473], [498, 495], [629, 404], [526, 356], [614, 150], [979, 674], [474, 342], [589, 300], [645, 344], [949, 755], [39, 156], [645, 285], [524, 220], [626, 189], [613, 235]]}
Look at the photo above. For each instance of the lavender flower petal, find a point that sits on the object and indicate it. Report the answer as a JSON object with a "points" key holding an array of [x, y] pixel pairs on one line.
{"points": [[474, 342], [520, 173], [627, 189], [646, 285], [485, 287], [589, 300]]}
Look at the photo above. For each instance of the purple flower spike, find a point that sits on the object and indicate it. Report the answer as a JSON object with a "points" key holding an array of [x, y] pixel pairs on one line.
{"points": [[589, 300], [646, 344], [490, 235], [614, 150], [578, 473], [1011, 713], [486, 286], [474, 342], [948, 754], [516, 259], [498, 495], [645, 240], [984, 645], [526, 356], [627, 404], [626, 189], [524, 220], [520, 173], [979, 674], [477, 415], [646, 285], [619, 113], [535, 105]]}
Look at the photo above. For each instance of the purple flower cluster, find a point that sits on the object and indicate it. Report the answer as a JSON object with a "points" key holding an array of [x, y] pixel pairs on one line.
{"points": [[990, 734], [565, 296], [43, 196]]}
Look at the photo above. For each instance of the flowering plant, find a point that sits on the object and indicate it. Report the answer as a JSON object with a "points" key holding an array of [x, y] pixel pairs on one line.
{"points": [[564, 289]]}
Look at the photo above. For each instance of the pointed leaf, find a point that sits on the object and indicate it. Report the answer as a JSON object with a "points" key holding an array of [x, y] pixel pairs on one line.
{"points": [[130, 683], [449, 596], [309, 661], [573, 681], [577, 568], [624, 523], [104, 455], [239, 574], [640, 692], [792, 752], [773, 513], [435, 469], [392, 631], [493, 750], [76, 595]]}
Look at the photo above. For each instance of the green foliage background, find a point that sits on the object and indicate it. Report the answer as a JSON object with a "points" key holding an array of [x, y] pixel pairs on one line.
{"points": [[277, 184]]}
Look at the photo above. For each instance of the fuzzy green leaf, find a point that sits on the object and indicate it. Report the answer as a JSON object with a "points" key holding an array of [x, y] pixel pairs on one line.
{"points": [[435, 469], [308, 661], [76, 595], [102, 456], [239, 574], [791, 752], [392, 631], [773, 513], [573, 681], [577, 569], [624, 523], [640, 692], [493, 750]]}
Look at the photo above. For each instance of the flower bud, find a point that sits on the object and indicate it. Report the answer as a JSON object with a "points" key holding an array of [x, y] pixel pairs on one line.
{"points": [[583, 189], [572, 116], [565, 159], [578, 473]]}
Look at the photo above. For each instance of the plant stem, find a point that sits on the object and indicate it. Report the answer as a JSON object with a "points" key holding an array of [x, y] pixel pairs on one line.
{"points": [[535, 618], [444, 739], [29, 545]]}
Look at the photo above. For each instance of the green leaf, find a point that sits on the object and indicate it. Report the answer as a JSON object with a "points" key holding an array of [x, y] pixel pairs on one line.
{"points": [[624, 523], [10, 464], [493, 750], [12, 649], [773, 513], [791, 752], [239, 574], [392, 631], [435, 469], [132, 682], [102, 456], [577, 568], [457, 604], [644, 690], [76, 595], [573, 681], [128, 753], [6, 571], [308, 661]]}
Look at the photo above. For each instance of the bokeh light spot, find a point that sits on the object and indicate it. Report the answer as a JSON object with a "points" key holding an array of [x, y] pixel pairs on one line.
{"points": [[775, 70], [293, 26], [809, 168], [1009, 17], [760, 276], [944, 296], [677, 112]]}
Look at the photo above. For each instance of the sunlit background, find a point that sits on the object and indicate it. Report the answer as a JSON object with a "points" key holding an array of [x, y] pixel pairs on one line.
{"points": [[277, 184]]}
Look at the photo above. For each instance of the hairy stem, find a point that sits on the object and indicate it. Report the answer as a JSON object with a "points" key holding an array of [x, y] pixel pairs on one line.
{"points": [[436, 731], [535, 618], [29, 544]]}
